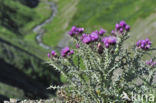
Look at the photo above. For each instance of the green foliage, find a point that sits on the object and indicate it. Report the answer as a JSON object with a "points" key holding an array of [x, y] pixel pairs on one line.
{"points": [[27, 62], [22, 52], [21, 19], [11, 91], [12, 17]]}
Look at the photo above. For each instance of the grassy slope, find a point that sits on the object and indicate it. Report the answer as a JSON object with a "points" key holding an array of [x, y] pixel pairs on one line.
{"points": [[25, 42], [42, 12], [91, 14], [94, 14], [11, 91], [38, 15], [59, 25], [105, 13]]}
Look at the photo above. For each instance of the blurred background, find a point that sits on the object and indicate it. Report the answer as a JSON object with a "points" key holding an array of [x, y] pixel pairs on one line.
{"points": [[29, 29]]}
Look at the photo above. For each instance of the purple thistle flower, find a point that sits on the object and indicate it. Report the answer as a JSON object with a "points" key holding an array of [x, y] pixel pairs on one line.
{"points": [[117, 26], [138, 43], [127, 28], [53, 53], [75, 31], [111, 40], [80, 30], [74, 28], [71, 52], [122, 23], [83, 35], [121, 30], [122, 27], [65, 51], [147, 46], [48, 55], [106, 45], [114, 40], [94, 36], [144, 44], [86, 40], [71, 33], [101, 32], [113, 32], [148, 41]]}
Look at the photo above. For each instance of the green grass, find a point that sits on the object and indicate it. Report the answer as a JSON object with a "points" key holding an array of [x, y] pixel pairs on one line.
{"points": [[91, 14], [57, 28], [11, 92], [42, 12], [26, 42], [94, 14]]}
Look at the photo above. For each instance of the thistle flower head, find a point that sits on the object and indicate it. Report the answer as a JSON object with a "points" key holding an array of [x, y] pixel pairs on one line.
{"points": [[122, 23], [65, 51], [75, 31], [102, 31], [117, 26], [127, 28], [48, 55], [53, 53], [111, 40], [122, 27], [94, 36], [87, 39], [83, 35], [71, 33], [144, 44], [121, 30], [113, 32], [80, 30], [71, 52], [74, 28]]}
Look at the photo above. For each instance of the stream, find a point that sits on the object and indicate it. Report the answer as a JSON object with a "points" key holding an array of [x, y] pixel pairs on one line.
{"points": [[39, 28]]}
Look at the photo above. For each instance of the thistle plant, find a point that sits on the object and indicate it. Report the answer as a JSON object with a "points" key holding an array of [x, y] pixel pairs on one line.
{"points": [[91, 68]]}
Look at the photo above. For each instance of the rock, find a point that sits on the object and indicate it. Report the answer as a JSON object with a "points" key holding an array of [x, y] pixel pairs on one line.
{"points": [[12, 100]]}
